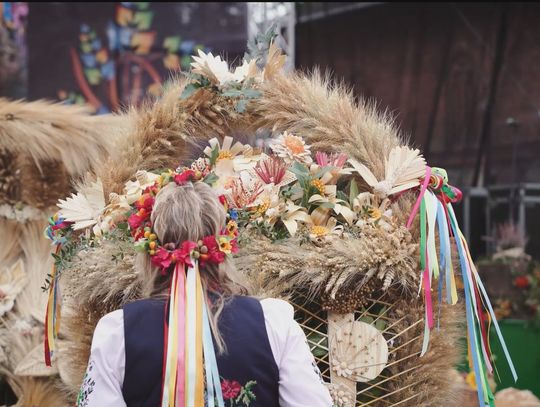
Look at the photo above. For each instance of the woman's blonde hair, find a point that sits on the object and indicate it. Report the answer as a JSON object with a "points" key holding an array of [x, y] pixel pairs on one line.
{"points": [[191, 212]]}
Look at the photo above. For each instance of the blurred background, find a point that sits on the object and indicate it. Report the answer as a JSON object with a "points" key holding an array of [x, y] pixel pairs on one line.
{"points": [[462, 81]]}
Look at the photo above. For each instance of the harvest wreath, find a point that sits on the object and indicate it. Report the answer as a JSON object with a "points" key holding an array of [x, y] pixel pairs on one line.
{"points": [[333, 211]]}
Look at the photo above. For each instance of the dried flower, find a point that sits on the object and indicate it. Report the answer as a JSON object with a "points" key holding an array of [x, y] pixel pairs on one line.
{"points": [[291, 148], [243, 194], [337, 160], [271, 170]]}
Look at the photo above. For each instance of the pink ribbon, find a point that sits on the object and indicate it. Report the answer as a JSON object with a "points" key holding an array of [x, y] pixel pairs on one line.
{"points": [[181, 328]]}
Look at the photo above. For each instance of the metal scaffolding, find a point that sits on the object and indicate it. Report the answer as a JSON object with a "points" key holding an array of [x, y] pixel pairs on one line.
{"points": [[260, 16]]}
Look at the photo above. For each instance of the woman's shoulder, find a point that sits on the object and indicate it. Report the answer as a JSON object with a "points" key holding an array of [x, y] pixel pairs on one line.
{"points": [[278, 307], [110, 322]]}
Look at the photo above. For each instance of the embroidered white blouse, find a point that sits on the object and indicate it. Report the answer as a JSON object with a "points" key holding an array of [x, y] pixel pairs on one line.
{"points": [[300, 382]]}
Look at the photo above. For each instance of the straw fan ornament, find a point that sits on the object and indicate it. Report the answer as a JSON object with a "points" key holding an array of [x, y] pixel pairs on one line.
{"points": [[334, 212]]}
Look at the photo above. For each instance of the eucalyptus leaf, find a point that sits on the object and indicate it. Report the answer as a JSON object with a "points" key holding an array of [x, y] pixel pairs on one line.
{"points": [[211, 179], [241, 106], [300, 170], [251, 93], [232, 93]]}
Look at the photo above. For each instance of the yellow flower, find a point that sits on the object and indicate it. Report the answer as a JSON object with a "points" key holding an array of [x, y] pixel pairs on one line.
{"points": [[319, 185], [225, 154], [375, 213], [319, 231], [471, 380], [225, 245], [232, 228]]}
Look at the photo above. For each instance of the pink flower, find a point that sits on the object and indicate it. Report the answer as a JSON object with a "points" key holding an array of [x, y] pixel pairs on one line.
{"points": [[234, 246], [337, 160], [183, 255], [162, 258], [271, 170], [135, 221], [230, 389]]}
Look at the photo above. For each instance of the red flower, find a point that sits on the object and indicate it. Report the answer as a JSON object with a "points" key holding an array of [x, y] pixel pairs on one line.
{"points": [[135, 221], [234, 246], [224, 202], [522, 282], [185, 176], [162, 258], [146, 202], [151, 190], [213, 254], [230, 389]]}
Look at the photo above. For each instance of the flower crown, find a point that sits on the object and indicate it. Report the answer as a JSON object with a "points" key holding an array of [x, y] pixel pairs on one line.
{"points": [[208, 250]]}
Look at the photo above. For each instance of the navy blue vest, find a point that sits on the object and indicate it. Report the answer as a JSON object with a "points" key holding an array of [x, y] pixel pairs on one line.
{"points": [[250, 376]]}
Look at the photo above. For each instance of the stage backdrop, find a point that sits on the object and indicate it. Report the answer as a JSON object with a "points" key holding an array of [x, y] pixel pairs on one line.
{"points": [[111, 54]]}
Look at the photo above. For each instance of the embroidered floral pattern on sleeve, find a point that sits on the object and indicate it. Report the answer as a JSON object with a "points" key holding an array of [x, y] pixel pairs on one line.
{"points": [[87, 387], [236, 395]]}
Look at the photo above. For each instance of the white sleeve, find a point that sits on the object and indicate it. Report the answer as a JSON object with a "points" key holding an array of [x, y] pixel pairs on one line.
{"points": [[300, 382], [102, 385]]}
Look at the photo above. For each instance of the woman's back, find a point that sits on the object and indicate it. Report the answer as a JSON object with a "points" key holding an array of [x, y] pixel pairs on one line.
{"points": [[267, 362]]}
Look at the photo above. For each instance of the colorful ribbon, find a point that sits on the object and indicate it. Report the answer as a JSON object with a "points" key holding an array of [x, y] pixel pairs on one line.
{"points": [[437, 218], [191, 376], [52, 314]]}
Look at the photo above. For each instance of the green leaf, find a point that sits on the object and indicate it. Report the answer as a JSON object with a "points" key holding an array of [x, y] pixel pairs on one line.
{"points": [[189, 90], [329, 205], [380, 324], [211, 179], [300, 170], [353, 191], [214, 156], [342, 195], [251, 93], [366, 319], [232, 93], [322, 171]]}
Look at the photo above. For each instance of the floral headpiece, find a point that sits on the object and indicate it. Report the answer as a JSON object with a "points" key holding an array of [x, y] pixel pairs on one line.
{"points": [[210, 249]]}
